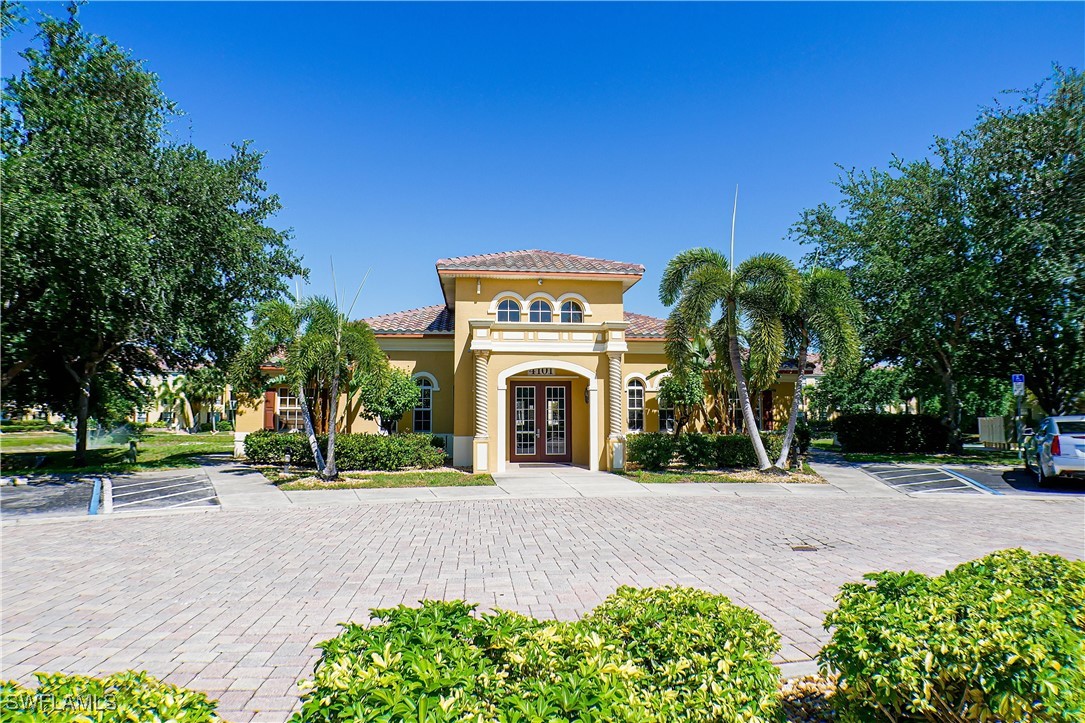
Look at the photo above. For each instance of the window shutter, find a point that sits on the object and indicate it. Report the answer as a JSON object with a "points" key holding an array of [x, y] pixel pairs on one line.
{"points": [[269, 408]]}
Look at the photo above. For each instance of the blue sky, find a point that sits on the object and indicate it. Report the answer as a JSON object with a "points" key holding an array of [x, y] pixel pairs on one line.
{"points": [[400, 133]]}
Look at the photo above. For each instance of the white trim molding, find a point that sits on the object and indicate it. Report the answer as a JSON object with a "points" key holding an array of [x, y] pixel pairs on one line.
{"points": [[498, 298], [571, 296], [432, 380], [525, 303], [637, 375], [503, 412], [655, 381]]}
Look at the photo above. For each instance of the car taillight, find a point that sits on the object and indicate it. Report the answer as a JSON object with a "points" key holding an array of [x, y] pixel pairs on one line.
{"points": [[1056, 448]]}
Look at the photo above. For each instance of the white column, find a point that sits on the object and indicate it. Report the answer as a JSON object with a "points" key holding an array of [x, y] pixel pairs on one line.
{"points": [[482, 394], [615, 395]]}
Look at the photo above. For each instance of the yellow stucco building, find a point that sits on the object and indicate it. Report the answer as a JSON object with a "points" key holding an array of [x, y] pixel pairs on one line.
{"points": [[531, 358]]}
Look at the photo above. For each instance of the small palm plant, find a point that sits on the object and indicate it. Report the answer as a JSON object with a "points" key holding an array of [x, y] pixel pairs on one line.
{"points": [[171, 398], [757, 295], [827, 317]]}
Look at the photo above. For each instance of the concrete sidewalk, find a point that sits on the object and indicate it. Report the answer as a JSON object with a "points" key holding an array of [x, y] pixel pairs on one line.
{"points": [[240, 487]]}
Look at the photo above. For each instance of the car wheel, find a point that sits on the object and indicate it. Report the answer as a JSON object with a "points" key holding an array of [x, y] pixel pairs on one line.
{"points": [[1028, 466]]}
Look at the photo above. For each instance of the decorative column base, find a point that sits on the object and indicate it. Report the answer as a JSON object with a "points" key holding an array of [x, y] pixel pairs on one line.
{"points": [[481, 454]]}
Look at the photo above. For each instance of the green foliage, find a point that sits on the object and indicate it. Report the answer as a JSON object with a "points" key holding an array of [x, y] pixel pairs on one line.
{"points": [[25, 425], [651, 450], [118, 698], [803, 437], [355, 451], [386, 394], [668, 654], [870, 390], [702, 657], [891, 433], [174, 247], [685, 392], [996, 639], [656, 450]]}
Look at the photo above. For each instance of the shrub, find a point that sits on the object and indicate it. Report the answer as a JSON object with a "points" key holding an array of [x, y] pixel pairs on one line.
{"points": [[803, 436], [352, 451], [25, 425], [701, 657], [650, 450], [695, 450], [226, 426], [159, 424], [891, 433], [736, 450], [122, 697], [658, 655], [996, 639]]}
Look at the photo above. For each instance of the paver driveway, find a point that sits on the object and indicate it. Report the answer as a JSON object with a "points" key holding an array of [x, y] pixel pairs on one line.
{"points": [[232, 602]]}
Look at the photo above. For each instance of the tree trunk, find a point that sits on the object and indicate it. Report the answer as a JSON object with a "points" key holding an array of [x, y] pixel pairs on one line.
{"points": [[953, 409], [307, 417], [796, 402], [82, 415], [744, 393], [330, 472]]}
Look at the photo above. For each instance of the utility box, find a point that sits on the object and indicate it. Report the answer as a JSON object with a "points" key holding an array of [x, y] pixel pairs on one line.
{"points": [[993, 432]]}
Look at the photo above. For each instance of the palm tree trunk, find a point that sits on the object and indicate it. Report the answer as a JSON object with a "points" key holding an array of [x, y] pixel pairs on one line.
{"points": [[307, 416], [796, 402], [744, 393], [330, 472]]}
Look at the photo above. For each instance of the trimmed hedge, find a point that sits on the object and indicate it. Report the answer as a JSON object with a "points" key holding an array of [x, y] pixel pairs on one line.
{"points": [[118, 698], [26, 425], [666, 654], [891, 433], [352, 451], [1001, 638], [656, 450]]}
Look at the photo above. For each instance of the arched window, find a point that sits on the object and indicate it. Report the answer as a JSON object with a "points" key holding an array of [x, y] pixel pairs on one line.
{"points": [[635, 394], [423, 413], [508, 310], [540, 311], [572, 313]]}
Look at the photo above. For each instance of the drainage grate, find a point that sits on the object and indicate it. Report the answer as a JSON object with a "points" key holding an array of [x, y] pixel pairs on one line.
{"points": [[804, 548]]}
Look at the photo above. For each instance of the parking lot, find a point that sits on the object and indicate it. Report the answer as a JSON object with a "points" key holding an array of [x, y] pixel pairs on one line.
{"points": [[969, 480], [175, 489]]}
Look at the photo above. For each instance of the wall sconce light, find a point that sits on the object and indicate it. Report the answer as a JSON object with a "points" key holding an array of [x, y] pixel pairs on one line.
{"points": [[540, 282]]}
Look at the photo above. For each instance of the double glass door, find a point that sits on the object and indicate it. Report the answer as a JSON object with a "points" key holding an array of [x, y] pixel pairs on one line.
{"points": [[540, 422]]}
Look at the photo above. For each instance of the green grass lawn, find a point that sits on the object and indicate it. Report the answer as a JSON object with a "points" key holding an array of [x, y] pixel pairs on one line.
{"points": [[157, 450], [380, 480], [746, 476]]}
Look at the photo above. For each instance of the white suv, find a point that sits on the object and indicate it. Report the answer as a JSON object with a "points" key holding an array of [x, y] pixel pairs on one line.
{"points": [[1057, 448]]}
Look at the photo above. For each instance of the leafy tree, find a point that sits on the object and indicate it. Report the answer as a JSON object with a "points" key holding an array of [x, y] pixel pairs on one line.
{"points": [[330, 350], [760, 292], [827, 316], [204, 388], [275, 338], [12, 15], [172, 398], [123, 252], [853, 392], [1026, 175], [686, 394], [386, 394]]}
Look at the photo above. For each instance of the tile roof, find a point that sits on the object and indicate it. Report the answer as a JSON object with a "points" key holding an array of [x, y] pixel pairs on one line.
{"points": [[435, 319], [439, 319], [642, 327], [536, 261]]}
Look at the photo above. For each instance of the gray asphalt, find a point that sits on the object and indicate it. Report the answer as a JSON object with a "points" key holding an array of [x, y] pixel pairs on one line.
{"points": [[56, 497], [173, 489]]}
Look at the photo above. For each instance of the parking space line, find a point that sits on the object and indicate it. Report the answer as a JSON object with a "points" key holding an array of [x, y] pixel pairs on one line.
{"points": [[945, 489], [973, 483], [926, 482], [191, 502], [167, 487], [153, 499], [915, 474], [157, 481]]}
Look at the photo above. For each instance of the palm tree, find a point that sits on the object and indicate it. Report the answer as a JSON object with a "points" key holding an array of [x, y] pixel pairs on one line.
{"points": [[278, 327], [171, 398], [761, 291], [333, 349], [828, 317], [203, 388]]}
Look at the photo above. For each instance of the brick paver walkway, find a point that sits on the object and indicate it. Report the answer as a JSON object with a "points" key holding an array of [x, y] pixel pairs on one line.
{"points": [[231, 602]]}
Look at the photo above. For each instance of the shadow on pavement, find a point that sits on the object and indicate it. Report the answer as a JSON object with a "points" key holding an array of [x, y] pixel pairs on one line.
{"points": [[1024, 481]]}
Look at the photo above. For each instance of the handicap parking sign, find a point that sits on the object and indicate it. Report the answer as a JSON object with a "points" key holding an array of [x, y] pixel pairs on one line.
{"points": [[1018, 383]]}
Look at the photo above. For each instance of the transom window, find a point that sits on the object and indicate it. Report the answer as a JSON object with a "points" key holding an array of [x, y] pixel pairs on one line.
{"points": [[540, 312], [423, 413], [635, 394], [508, 310], [572, 313]]}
